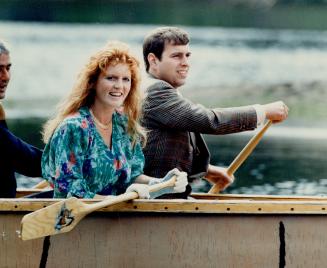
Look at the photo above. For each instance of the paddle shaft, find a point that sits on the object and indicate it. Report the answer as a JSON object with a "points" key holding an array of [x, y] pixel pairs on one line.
{"points": [[242, 156], [41, 185], [63, 216], [129, 196]]}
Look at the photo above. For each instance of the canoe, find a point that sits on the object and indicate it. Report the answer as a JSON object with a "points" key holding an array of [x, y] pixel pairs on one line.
{"points": [[205, 231]]}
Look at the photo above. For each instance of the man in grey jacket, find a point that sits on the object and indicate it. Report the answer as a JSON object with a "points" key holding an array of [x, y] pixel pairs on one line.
{"points": [[175, 124]]}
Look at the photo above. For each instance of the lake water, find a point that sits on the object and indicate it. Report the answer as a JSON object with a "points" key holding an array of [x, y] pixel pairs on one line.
{"points": [[47, 57], [286, 161]]}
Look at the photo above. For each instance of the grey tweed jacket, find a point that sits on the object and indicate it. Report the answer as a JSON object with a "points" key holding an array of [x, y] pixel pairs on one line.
{"points": [[175, 125]]}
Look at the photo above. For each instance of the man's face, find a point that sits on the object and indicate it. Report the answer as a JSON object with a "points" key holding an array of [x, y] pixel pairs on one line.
{"points": [[174, 64], [4, 73]]}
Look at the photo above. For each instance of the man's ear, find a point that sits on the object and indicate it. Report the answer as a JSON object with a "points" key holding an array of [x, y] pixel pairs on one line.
{"points": [[152, 59]]}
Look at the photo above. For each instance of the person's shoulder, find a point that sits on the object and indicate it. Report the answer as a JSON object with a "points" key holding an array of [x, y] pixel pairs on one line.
{"points": [[75, 121], [160, 85], [160, 90], [151, 84]]}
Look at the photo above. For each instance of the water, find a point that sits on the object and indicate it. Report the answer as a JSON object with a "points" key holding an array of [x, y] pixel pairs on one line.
{"points": [[47, 57], [281, 164], [286, 161]]}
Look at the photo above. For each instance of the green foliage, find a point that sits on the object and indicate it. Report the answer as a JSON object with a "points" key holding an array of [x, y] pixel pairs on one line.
{"points": [[299, 14]]}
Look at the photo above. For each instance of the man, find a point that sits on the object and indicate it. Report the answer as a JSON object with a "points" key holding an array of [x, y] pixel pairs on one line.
{"points": [[15, 154], [175, 124]]}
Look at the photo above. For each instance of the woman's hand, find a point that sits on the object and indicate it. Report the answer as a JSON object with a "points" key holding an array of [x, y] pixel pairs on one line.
{"points": [[181, 180], [180, 183], [141, 189], [143, 183]]}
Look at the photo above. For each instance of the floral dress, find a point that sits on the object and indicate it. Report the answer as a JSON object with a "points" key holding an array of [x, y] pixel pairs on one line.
{"points": [[77, 162]]}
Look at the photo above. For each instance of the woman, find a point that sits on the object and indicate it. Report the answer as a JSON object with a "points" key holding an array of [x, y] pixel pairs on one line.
{"points": [[92, 147]]}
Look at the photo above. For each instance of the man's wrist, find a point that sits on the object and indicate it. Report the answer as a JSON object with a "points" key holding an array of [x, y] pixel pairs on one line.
{"points": [[261, 114]]}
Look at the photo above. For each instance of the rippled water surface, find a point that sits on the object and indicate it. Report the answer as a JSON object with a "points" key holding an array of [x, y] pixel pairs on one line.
{"points": [[47, 57], [286, 161]]}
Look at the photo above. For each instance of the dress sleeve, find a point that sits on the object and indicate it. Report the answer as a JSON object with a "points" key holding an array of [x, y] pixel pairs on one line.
{"points": [[165, 108], [137, 161], [63, 160]]}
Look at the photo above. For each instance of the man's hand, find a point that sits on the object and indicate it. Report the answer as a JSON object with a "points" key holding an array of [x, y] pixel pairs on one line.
{"points": [[276, 111], [218, 175]]}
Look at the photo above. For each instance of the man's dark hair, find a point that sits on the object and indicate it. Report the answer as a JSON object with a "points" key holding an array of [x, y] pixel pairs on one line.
{"points": [[3, 48], [155, 41]]}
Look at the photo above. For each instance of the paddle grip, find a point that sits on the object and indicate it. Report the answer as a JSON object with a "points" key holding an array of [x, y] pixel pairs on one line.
{"points": [[242, 156]]}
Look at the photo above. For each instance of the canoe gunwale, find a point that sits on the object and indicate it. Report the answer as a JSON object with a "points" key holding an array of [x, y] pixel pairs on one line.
{"points": [[302, 206]]}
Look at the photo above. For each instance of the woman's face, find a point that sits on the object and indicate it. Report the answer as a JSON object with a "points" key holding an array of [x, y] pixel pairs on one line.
{"points": [[113, 85]]}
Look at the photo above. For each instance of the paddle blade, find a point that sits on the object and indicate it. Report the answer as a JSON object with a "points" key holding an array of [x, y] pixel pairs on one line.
{"points": [[58, 218]]}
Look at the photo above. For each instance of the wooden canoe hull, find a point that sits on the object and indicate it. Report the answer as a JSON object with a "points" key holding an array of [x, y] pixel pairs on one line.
{"points": [[176, 233]]}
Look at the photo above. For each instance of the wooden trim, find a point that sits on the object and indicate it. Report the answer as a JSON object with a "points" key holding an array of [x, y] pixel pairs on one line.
{"points": [[187, 206], [205, 196], [21, 192]]}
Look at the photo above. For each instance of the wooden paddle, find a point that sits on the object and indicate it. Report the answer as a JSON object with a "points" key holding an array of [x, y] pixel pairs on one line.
{"points": [[63, 216], [247, 150], [41, 185]]}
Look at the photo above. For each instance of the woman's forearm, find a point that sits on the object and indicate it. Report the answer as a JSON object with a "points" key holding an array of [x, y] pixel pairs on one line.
{"points": [[143, 179]]}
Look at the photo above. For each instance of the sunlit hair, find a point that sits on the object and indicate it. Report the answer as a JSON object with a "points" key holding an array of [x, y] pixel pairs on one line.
{"points": [[156, 40], [83, 92], [3, 47]]}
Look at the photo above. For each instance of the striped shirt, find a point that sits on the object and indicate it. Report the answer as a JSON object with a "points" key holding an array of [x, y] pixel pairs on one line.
{"points": [[175, 126]]}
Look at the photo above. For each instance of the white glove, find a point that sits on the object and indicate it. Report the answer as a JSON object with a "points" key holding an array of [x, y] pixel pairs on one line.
{"points": [[179, 187], [141, 189], [181, 183]]}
